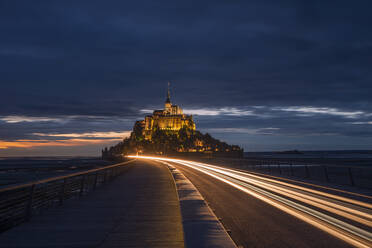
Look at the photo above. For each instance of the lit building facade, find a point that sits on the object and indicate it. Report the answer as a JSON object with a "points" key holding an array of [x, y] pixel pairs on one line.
{"points": [[170, 118]]}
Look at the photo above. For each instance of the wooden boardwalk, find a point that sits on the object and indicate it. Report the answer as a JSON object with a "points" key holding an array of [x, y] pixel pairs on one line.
{"points": [[138, 209]]}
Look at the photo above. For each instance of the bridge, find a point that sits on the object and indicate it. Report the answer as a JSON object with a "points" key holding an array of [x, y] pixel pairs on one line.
{"points": [[163, 202]]}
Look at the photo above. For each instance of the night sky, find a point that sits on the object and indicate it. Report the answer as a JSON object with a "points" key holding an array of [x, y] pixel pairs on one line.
{"points": [[266, 75]]}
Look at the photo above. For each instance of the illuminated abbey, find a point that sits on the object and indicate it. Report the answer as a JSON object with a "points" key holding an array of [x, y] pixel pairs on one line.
{"points": [[170, 118], [170, 132]]}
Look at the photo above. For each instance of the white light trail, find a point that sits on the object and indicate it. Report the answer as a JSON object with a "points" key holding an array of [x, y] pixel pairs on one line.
{"points": [[291, 198]]}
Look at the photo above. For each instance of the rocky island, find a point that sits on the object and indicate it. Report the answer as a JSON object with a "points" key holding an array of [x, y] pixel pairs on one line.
{"points": [[170, 132]]}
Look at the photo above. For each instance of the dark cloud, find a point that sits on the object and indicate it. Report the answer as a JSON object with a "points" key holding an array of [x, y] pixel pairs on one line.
{"points": [[105, 61]]}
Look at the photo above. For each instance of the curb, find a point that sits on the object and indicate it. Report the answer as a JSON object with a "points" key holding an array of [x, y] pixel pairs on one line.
{"points": [[201, 227]]}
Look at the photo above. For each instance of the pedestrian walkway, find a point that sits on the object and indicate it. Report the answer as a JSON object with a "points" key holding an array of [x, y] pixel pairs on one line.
{"points": [[138, 209]]}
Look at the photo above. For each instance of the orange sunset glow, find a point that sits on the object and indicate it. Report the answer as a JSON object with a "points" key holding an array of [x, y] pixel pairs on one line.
{"points": [[71, 139], [44, 143]]}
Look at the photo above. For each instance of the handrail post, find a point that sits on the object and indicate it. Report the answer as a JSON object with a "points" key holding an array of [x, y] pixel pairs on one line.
{"points": [[82, 186], [108, 175], [351, 177], [326, 173], [280, 170], [111, 174], [29, 204], [95, 181], [62, 192], [104, 176], [45, 195], [291, 168]]}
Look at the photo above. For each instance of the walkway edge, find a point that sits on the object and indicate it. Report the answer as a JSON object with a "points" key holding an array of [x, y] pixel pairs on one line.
{"points": [[201, 227]]}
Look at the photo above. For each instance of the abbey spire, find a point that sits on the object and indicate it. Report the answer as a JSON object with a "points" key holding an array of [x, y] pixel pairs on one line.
{"points": [[168, 94], [168, 104]]}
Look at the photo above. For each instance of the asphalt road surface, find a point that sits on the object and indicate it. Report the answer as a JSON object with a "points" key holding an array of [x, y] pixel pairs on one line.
{"points": [[263, 212]]}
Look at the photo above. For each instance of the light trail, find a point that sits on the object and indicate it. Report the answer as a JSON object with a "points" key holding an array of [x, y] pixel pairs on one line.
{"points": [[305, 197], [301, 202]]}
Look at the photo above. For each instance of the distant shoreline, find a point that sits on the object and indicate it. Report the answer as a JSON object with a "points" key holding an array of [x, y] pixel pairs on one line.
{"points": [[280, 153], [50, 157]]}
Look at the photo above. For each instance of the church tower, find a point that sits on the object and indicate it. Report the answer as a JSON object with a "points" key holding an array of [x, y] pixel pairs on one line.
{"points": [[168, 104], [171, 118]]}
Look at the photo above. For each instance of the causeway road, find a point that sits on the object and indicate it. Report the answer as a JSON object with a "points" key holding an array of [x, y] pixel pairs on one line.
{"points": [[262, 211]]}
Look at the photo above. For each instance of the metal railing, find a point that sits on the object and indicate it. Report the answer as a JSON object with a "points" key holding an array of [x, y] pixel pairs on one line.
{"points": [[358, 176], [19, 202]]}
